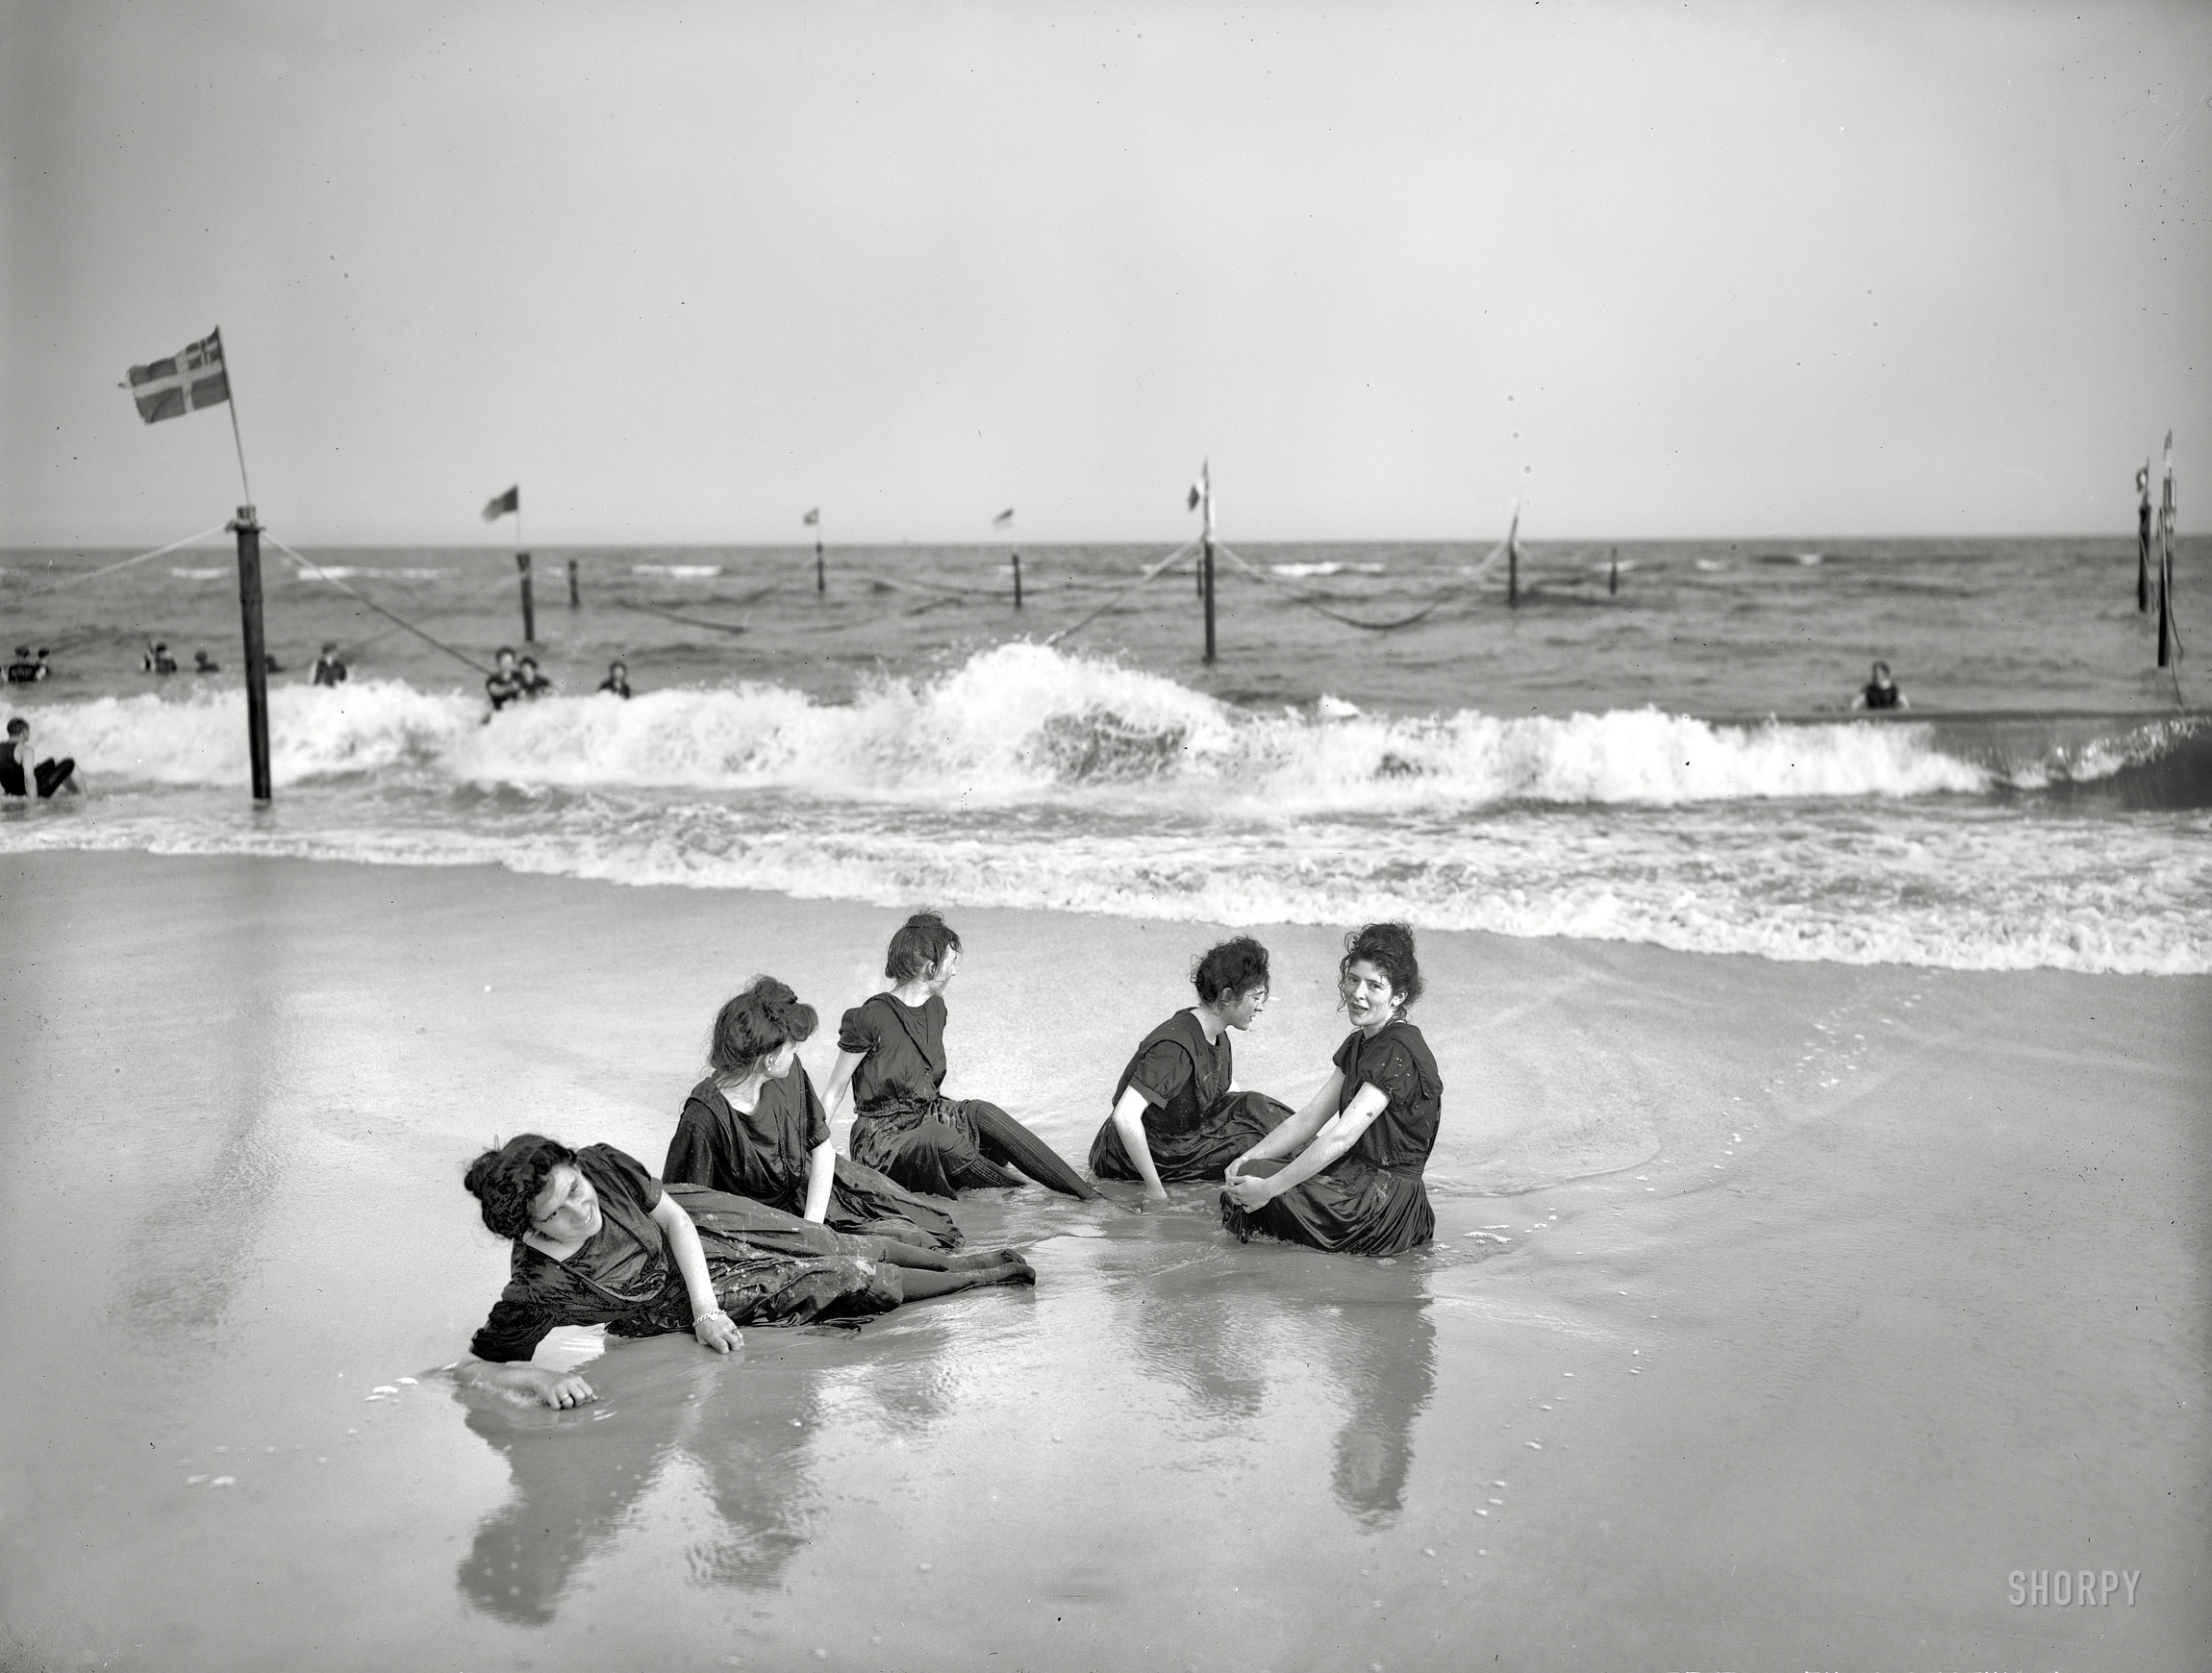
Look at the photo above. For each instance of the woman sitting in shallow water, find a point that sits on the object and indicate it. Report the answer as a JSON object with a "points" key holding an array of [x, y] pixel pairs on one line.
{"points": [[754, 1128], [1355, 1186], [1177, 1111], [599, 1242], [891, 1054]]}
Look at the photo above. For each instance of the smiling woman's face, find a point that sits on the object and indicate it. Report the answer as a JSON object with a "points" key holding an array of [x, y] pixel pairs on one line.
{"points": [[1369, 999], [566, 1208]]}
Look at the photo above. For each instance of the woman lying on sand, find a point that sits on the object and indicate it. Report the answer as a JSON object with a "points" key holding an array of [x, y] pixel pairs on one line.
{"points": [[1356, 1185], [754, 1128], [1177, 1111], [891, 1054], [599, 1242]]}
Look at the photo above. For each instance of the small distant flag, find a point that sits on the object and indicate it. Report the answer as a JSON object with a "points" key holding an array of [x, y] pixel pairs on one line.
{"points": [[1192, 504], [499, 505], [813, 518], [191, 378], [1004, 518]]}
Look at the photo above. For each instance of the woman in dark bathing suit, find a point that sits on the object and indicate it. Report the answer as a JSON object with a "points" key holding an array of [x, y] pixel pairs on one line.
{"points": [[891, 1054], [1345, 1173], [754, 1128], [599, 1242], [1177, 1111]]}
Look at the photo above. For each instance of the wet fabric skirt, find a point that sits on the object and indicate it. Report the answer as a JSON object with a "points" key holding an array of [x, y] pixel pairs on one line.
{"points": [[867, 1204], [769, 1269], [1232, 1124], [1350, 1209], [949, 1145]]}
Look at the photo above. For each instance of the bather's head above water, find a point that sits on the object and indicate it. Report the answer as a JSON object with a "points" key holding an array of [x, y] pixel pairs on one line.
{"points": [[532, 1184], [759, 1032]]}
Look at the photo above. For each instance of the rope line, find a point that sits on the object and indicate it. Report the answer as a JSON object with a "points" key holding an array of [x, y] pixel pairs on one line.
{"points": [[1315, 603], [57, 583], [320, 574], [1183, 551]]}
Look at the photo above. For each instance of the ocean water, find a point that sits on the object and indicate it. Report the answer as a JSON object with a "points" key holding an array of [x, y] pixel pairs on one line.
{"points": [[1381, 735]]}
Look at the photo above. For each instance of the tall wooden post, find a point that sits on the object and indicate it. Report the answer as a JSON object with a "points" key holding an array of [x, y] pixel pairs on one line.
{"points": [[2143, 539], [1017, 581], [821, 580], [529, 604], [575, 598], [249, 534], [2166, 514], [1206, 552]]}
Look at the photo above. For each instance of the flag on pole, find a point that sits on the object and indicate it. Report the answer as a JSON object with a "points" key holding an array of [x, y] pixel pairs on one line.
{"points": [[1003, 519], [1192, 504], [812, 518], [499, 505], [191, 378]]}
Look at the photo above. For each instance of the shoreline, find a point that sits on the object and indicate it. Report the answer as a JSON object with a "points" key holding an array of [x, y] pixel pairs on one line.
{"points": [[1925, 1248]]}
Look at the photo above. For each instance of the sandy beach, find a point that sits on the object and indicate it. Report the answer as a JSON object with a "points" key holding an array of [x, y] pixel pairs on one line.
{"points": [[1778, 1315]]}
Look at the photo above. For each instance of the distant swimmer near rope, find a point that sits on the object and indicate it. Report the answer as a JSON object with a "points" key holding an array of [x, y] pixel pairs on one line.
{"points": [[617, 680], [23, 671], [156, 658], [504, 683], [20, 767], [1881, 691], [330, 666]]}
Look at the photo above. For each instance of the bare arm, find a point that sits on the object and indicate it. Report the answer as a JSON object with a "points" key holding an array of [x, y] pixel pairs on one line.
{"points": [[821, 1174], [709, 1322], [1338, 1134], [556, 1388], [1129, 1122], [1300, 1129], [839, 1083]]}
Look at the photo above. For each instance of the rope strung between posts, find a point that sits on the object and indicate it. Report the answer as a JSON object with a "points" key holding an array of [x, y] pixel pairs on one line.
{"points": [[320, 574], [723, 626], [1312, 601], [1185, 550], [57, 583]]}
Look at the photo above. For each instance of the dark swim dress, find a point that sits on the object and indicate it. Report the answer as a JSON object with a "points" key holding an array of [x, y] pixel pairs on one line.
{"points": [[765, 1154], [1370, 1200], [767, 1267], [1193, 1125], [926, 1141]]}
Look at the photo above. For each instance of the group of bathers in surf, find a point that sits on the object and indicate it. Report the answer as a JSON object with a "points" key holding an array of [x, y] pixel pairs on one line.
{"points": [[756, 1219]]}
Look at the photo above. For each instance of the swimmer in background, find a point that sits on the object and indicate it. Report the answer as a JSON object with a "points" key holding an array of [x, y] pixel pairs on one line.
{"points": [[330, 666], [503, 684], [156, 658], [23, 671], [203, 664], [534, 683], [20, 768], [617, 680], [1881, 691]]}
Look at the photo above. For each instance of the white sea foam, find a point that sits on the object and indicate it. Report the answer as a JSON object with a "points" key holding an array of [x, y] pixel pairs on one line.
{"points": [[217, 574], [678, 571]]}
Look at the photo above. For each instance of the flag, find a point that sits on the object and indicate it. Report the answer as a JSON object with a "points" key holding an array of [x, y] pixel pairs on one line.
{"points": [[499, 505], [1192, 504], [1003, 519], [813, 518], [191, 378]]}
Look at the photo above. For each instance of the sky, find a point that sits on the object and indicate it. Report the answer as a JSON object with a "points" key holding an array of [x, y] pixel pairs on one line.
{"points": [[685, 271]]}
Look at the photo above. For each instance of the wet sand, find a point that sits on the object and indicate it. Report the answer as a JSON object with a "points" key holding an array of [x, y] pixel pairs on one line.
{"points": [[1779, 1313]]}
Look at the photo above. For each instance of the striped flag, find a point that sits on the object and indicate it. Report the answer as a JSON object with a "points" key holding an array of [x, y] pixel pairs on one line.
{"points": [[191, 378], [1003, 519], [813, 518], [499, 505]]}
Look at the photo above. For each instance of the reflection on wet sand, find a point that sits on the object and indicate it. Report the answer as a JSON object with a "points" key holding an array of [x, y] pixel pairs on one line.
{"points": [[578, 1475], [1383, 1353]]}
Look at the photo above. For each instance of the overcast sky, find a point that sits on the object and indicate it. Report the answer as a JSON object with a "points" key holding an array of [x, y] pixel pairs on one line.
{"points": [[685, 271]]}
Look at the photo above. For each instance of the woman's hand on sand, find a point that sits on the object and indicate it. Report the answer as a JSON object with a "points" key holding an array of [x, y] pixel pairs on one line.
{"points": [[562, 1389], [717, 1331]]}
